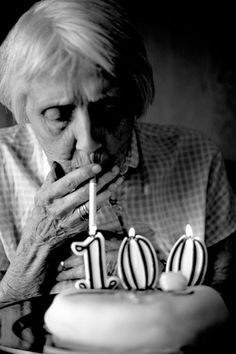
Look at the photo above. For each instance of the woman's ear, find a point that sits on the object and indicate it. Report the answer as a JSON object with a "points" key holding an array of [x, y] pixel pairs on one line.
{"points": [[24, 110], [20, 110]]}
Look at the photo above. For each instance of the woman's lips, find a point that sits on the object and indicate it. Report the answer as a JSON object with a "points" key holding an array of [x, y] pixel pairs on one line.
{"points": [[82, 158]]}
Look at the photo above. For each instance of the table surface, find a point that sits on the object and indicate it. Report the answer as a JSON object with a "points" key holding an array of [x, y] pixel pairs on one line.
{"points": [[22, 324]]}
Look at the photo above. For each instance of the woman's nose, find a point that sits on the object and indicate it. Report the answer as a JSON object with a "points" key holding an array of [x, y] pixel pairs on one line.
{"points": [[83, 131]]}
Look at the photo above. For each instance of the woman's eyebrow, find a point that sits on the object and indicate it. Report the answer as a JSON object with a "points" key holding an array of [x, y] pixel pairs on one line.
{"points": [[58, 106], [108, 99], [55, 101]]}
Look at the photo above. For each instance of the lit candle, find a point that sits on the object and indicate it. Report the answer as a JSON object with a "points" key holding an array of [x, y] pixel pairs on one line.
{"points": [[137, 262], [189, 255]]}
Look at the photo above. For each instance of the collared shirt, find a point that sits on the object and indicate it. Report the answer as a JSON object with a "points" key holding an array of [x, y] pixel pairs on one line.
{"points": [[173, 177]]}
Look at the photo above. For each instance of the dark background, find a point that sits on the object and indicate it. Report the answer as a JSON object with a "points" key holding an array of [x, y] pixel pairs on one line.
{"points": [[191, 46]]}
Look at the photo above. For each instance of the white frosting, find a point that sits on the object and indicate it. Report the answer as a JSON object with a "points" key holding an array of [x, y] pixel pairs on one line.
{"points": [[130, 320], [107, 319]]}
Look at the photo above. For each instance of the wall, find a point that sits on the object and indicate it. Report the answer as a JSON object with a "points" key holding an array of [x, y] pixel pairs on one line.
{"points": [[191, 50]]}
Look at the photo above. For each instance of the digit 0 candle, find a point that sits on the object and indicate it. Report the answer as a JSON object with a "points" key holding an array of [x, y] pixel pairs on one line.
{"points": [[189, 255], [137, 262]]}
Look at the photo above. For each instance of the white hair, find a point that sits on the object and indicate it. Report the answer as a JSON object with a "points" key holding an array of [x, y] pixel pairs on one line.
{"points": [[56, 36]]}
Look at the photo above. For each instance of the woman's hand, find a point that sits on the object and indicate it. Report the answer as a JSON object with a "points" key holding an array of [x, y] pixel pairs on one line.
{"points": [[55, 216], [72, 268], [54, 221]]}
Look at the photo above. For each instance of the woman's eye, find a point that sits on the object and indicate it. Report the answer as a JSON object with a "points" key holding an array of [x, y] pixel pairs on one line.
{"points": [[105, 115], [112, 116], [59, 113], [57, 118], [52, 113]]}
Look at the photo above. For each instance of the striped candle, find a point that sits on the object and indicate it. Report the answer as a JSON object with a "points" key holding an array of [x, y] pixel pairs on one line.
{"points": [[137, 263], [189, 255], [93, 251]]}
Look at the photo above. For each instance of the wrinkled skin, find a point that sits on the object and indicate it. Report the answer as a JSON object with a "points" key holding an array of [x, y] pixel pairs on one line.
{"points": [[73, 132]]}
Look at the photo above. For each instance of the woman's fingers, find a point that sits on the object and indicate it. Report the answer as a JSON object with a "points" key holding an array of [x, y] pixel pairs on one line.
{"points": [[63, 285], [70, 274], [68, 183], [65, 202], [107, 177], [74, 218], [63, 205], [70, 262], [73, 267], [81, 196]]}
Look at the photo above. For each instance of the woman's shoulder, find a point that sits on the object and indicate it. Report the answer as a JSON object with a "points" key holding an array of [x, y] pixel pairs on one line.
{"points": [[171, 138], [17, 142], [16, 135]]}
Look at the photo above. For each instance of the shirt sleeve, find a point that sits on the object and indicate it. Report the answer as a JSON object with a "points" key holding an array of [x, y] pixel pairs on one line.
{"points": [[8, 241], [221, 274], [4, 262], [220, 203], [221, 234]]}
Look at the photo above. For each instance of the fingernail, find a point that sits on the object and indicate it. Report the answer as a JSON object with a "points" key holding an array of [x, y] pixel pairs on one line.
{"points": [[120, 180], [115, 170], [96, 168], [116, 184]]}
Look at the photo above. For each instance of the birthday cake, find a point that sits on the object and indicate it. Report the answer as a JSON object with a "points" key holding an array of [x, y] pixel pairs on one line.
{"points": [[144, 315], [120, 321], [135, 316], [106, 319]]}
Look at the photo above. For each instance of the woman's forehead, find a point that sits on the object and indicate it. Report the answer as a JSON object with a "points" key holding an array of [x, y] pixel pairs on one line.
{"points": [[90, 86]]}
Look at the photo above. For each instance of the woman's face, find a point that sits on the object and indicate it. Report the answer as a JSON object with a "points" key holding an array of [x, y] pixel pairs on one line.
{"points": [[70, 129]]}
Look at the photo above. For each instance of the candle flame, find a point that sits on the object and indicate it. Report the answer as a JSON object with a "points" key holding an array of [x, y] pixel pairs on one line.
{"points": [[189, 231], [131, 232]]}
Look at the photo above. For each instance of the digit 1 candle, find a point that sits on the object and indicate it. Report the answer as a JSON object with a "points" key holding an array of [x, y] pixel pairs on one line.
{"points": [[189, 255], [93, 251], [137, 262]]}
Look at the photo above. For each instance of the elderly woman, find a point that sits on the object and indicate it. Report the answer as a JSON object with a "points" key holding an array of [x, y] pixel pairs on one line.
{"points": [[76, 77]]}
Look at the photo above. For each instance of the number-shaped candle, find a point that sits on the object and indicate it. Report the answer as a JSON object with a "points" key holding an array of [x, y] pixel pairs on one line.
{"points": [[93, 250], [189, 255], [137, 262]]}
